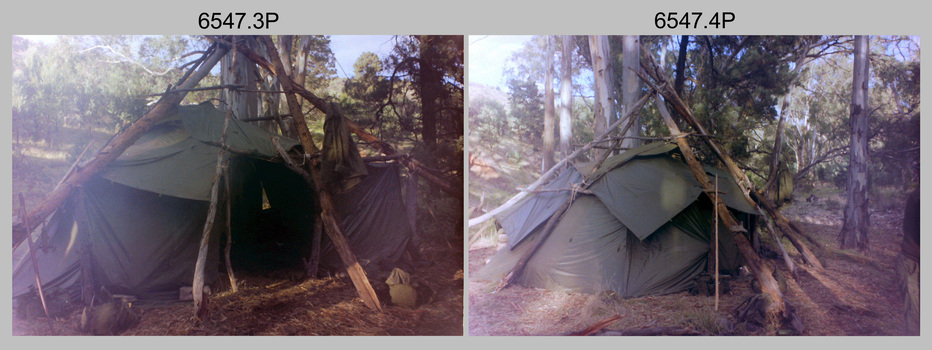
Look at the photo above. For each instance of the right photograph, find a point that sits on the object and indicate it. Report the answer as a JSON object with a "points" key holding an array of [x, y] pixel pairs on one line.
{"points": [[693, 185]]}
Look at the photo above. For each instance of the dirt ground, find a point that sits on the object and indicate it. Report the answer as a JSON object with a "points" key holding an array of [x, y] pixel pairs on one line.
{"points": [[283, 306], [855, 294]]}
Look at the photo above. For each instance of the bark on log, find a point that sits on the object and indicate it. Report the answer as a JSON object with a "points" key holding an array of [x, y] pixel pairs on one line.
{"points": [[115, 148], [761, 271]]}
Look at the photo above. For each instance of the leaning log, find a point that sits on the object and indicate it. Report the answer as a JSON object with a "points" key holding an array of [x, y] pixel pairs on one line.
{"points": [[329, 218], [758, 267], [739, 176], [120, 143], [327, 209], [788, 231]]}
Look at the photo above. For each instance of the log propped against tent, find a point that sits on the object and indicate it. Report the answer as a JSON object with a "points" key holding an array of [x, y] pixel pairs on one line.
{"points": [[759, 268], [652, 69], [119, 143]]}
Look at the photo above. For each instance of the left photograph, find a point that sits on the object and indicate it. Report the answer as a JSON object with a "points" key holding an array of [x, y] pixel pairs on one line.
{"points": [[237, 185]]}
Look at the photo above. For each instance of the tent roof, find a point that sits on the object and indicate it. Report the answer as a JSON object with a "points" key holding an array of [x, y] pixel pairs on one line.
{"points": [[642, 194], [178, 156]]}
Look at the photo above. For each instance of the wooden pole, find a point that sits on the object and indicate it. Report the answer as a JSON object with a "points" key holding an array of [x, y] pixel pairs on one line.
{"points": [[761, 270], [327, 211], [35, 265], [716, 243], [226, 251], [74, 165], [197, 287], [739, 177]]}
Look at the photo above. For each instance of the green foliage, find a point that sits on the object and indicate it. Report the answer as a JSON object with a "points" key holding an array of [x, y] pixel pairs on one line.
{"points": [[527, 110], [489, 119], [426, 68], [87, 82]]}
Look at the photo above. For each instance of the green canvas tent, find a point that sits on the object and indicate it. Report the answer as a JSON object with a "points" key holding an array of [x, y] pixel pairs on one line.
{"points": [[135, 227], [645, 229]]}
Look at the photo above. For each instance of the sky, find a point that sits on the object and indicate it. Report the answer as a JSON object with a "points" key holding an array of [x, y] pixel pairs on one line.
{"points": [[488, 54], [346, 48]]}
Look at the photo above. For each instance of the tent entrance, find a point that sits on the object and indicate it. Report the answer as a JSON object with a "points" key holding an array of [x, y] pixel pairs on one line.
{"points": [[272, 236]]}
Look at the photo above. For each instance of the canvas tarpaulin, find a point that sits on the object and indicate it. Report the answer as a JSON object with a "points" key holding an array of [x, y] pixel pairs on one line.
{"points": [[373, 217], [143, 216], [645, 230], [178, 156], [532, 211]]}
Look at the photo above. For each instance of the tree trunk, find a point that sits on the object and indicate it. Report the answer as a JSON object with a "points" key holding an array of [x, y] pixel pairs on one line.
{"points": [[429, 89], [117, 145], [566, 97], [631, 86], [239, 70], [856, 222], [604, 78], [548, 109], [681, 66]]}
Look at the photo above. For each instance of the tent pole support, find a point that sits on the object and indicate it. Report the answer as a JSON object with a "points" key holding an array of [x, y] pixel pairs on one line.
{"points": [[762, 271], [226, 250], [716, 243], [197, 287], [313, 265]]}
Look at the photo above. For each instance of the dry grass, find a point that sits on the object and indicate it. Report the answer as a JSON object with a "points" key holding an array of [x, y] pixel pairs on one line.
{"points": [[854, 295]]}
